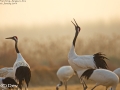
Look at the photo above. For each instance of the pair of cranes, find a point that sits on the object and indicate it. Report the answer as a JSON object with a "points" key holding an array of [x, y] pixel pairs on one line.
{"points": [[20, 72], [87, 67]]}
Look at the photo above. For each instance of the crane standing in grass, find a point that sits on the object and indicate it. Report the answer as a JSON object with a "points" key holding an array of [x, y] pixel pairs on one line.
{"points": [[21, 67], [64, 73], [84, 61]]}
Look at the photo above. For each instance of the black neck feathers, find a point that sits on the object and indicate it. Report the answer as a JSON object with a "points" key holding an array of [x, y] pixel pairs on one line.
{"points": [[74, 40], [16, 48]]}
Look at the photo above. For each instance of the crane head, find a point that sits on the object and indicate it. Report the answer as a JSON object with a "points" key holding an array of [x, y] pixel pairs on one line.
{"points": [[13, 38], [77, 28]]}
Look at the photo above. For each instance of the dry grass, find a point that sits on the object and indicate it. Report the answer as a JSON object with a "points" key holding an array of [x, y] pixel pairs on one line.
{"points": [[71, 87], [46, 58]]}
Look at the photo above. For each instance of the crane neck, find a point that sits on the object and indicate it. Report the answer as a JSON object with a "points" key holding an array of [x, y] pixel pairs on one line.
{"points": [[75, 37], [72, 53], [16, 47]]}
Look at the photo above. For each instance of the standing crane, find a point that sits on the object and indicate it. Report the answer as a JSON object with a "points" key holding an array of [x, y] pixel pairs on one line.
{"points": [[101, 77], [64, 73], [21, 67], [79, 62]]}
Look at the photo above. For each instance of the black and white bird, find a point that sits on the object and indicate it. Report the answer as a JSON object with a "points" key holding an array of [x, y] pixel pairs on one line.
{"points": [[21, 67], [8, 83], [64, 73], [79, 62], [101, 77]]}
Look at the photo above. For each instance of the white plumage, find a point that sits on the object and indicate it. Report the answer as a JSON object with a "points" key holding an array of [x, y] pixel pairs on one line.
{"points": [[117, 71], [79, 62], [7, 72], [101, 77], [20, 62], [64, 73]]}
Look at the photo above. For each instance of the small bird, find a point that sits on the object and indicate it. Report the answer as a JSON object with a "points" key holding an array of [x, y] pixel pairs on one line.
{"points": [[8, 83], [21, 67], [101, 77], [64, 73], [79, 62]]}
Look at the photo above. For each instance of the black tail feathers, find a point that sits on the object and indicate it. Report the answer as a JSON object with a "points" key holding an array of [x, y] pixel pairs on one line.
{"points": [[99, 60], [23, 73], [87, 73]]}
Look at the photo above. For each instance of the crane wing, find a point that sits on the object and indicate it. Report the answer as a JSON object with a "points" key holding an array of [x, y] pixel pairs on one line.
{"points": [[85, 61], [4, 72]]}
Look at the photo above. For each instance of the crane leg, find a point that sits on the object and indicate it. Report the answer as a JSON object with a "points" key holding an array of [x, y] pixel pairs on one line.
{"points": [[95, 86], [65, 85], [83, 83]]}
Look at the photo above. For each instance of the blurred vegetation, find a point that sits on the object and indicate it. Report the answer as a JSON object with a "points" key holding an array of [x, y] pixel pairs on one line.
{"points": [[46, 58]]}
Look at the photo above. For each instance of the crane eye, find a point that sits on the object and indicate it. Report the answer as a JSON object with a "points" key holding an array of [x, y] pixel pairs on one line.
{"points": [[15, 37]]}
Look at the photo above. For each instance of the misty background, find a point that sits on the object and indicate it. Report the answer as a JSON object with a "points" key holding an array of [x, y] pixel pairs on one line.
{"points": [[45, 34]]}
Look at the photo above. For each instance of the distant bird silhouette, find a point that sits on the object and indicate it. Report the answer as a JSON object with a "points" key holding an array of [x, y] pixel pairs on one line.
{"points": [[84, 61], [21, 67]]}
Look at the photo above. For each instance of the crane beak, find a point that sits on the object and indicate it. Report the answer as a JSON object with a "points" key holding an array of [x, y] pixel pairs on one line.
{"points": [[73, 24], [9, 38]]}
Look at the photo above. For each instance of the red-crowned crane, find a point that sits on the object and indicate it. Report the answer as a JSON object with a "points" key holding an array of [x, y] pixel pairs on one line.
{"points": [[101, 77], [21, 67], [64, 73], [8, 83], [78, 62]]}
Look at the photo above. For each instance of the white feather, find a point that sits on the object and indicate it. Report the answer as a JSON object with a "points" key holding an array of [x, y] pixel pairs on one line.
{"points": [[79, 62], [117, 71], [64, 73], [7, 72], [20, 62], [104, 77]]}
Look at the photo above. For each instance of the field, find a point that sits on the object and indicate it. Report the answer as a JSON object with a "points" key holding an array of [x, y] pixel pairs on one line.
{"points": [[72, 87]]}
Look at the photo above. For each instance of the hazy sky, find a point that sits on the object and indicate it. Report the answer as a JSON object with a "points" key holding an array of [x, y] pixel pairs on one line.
{"points": [[44, 12]]}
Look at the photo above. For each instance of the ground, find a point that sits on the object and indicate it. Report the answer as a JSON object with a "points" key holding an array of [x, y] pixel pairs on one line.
{"points": [[72, 87]]}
